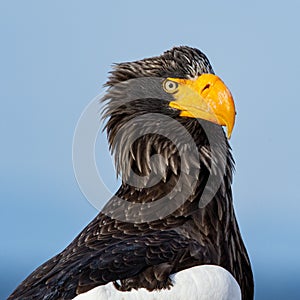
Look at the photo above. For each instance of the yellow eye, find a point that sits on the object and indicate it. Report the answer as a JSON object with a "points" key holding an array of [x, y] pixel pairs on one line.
{"points": [[170, 86]]}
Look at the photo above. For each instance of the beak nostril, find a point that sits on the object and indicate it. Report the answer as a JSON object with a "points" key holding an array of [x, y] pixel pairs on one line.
{"points": [[205, 88]]}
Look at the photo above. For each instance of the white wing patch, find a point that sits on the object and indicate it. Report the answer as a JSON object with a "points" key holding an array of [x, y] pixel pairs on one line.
{"points": [[207, 282]]}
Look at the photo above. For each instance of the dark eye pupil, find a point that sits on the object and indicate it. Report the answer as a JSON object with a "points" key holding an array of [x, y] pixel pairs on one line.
{"points": [[171, 85]]}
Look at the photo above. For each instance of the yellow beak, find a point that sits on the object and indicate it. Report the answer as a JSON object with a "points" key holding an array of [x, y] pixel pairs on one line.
{"points": [[205, 97]]}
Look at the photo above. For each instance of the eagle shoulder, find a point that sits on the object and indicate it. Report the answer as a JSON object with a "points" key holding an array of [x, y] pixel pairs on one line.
{"points": [[206, 282]]}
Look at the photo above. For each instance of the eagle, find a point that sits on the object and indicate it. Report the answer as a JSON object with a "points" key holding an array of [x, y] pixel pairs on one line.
{"points": [[170, 231]]}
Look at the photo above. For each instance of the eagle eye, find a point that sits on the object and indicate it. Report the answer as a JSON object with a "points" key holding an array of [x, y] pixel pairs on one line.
{"points": [[170, 86]]}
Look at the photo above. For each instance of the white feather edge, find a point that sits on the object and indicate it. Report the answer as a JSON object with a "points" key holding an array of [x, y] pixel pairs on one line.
{"points": [[206, 282]]}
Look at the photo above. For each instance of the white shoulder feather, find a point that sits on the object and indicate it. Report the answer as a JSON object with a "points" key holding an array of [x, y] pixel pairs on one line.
{"points": [[207, 282]]}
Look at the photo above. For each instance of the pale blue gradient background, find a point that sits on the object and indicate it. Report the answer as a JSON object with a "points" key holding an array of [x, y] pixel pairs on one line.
{"points": [[55, 56]]}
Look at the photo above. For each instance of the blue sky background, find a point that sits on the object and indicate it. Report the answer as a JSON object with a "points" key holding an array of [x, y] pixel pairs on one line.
{"points": [[55, 56]]}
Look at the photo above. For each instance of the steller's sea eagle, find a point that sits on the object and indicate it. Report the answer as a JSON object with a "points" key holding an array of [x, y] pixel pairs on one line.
{"points": [[170, 231]]}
